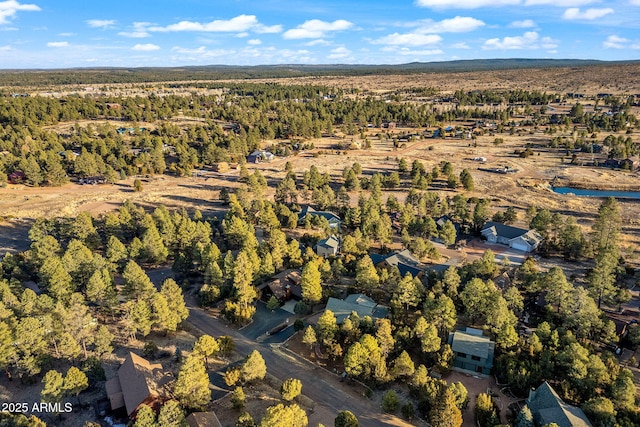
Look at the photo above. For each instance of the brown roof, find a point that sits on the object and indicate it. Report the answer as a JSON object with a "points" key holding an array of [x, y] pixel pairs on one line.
{"points": [[138, 381], [203, 419]]}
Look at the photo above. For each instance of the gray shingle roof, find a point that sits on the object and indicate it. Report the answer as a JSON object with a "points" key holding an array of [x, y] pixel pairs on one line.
{"points": [[505, 231], [547, 407], [472, 344]]}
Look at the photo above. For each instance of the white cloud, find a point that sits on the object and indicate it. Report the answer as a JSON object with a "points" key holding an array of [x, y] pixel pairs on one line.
{"points": [[560, 3], [459, 24], [242, 35], [588, 15], [528, 40], [101, 23], [316, 29], [527, 23], [6, 48], [8, 9], [461, 45], [238, 24], [428, 52], [148, 47], [318, 42], [264, 29], [58, 44], [634, 2], [67, 34], [615, 42], [254, 42], [464, 4], [409, 39], [339, 53], [138, 31]]}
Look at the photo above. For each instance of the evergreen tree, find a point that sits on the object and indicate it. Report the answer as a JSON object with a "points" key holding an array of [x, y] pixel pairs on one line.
{"points": [[284, 416], [311, 283], [52, 390], [254, 367], [192, 385], [145, 417], [178, 310], [366, 275], [207, 346], [136, 284], [309, 336], [445, 412], [171, 415], [346, 419], [291, 388], [75, 381]]}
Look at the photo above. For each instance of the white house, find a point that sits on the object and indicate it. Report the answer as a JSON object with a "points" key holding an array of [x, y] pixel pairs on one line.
{"points": [[328, 247], [514, 237]]}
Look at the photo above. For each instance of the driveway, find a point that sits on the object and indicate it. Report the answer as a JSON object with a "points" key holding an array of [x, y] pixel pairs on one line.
{"points": [[265, 320], [325, 389]]}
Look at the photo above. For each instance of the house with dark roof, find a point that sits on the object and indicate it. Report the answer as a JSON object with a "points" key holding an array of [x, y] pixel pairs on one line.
{"points": [[328, 247], [284, 286], [359, 303], [514, 237], [547, 407], [473, 352], [404, 260], [260, 156], [333, 219], [138, 381]]}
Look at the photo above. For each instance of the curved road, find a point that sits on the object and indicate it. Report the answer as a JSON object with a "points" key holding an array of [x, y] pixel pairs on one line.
{"points": [[329, 394]]}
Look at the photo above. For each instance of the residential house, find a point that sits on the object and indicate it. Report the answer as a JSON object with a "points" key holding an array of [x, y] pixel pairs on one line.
{"points": [[359, 303], [514, 237], [440, 222], [405, 261], [473, 352], [203, 419], [138, 381], [284, 286], [260, 156], [631, 163], [333, 219], [17, 177], [547, 407], [328, 247]]}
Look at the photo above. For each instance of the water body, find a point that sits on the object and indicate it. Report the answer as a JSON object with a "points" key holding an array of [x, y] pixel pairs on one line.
{"points": [[597, 193]]}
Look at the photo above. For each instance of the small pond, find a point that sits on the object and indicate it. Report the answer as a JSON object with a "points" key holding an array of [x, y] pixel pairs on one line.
{"points": [[597, 193]]}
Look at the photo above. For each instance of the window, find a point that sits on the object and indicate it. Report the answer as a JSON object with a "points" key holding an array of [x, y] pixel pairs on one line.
{"points": [[476, 358], [462, 354]]}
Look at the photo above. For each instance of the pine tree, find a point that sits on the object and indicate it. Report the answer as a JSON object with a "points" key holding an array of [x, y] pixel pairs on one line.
{"points": [[178, 310], [346, 419], [52, 390], [311, 283], [192, 385], [136, 283], [153, 248], [207, 346], [309, 336], [284, 416], [291, 388], [75, 381], [366, 275], [254, 367], [145, 417], [444, 412], [171, 415]]}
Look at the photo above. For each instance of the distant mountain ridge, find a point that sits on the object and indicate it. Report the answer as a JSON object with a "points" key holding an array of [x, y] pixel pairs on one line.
{"points": [[102, 75]]}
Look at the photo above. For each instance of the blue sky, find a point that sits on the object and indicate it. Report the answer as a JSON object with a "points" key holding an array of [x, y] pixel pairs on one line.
{"points": [[133, 33]]}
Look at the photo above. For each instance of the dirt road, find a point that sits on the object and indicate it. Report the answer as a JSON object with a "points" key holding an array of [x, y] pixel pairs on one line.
{"points": [[330, 395]]}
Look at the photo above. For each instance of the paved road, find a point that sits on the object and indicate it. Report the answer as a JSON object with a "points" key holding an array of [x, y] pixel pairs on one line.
{"points": [[330, 395]]}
